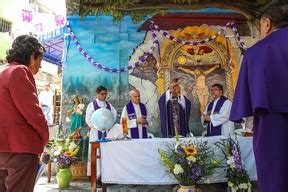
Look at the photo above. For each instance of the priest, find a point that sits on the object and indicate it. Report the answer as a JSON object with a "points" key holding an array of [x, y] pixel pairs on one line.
{"points": [[262, 92], [137, 115], [175, 111]]}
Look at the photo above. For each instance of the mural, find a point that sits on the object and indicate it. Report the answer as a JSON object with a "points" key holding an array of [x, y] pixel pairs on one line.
{"points": [[117, 45], [107, 43], [197, 67]]}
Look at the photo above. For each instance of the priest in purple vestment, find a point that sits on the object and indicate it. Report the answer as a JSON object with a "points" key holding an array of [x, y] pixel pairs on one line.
{"points": [[174, 112], [137, 115], [94, 135], [262, 92], [217, 112]]}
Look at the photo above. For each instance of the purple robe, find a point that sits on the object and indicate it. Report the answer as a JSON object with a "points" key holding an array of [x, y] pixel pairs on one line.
{"points": [[262, 92], [166, 117], [132, 115]]}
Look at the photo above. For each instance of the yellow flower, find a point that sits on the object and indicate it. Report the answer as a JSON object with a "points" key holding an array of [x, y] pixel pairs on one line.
{"points": [[68, 153], [215, 162], [191, 159], [190, 150]]}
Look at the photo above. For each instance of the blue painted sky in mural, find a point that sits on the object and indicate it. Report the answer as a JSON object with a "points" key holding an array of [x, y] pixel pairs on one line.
{"points": [[108, 43]]}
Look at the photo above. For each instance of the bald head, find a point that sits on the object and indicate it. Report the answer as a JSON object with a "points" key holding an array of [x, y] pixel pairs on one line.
{"points": [[135, 96]]}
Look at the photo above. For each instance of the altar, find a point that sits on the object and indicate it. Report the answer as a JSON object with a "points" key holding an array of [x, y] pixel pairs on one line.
{"points": [[138, 161]]}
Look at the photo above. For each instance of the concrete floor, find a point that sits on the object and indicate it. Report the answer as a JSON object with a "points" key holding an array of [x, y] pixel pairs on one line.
{"points": [[84, 186]]}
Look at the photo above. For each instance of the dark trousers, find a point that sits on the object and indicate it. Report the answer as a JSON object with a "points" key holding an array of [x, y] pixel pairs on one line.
{"points": [[18, 172]]}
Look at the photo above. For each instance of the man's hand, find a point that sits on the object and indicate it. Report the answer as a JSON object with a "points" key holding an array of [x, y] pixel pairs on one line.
{"points": [[206, 117], [141, 121]]}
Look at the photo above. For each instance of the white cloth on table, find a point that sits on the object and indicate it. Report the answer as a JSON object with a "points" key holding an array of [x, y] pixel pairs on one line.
{"points": [[222, 118], [138, 161]]}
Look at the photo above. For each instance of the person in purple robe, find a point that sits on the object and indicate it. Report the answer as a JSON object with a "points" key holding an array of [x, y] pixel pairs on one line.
{"points": [[217, 112], [138, 118], [262, 92], [175, 112]]}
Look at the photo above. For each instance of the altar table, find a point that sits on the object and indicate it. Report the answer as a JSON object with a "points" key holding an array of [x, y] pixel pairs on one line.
{"points": [[138, 161]]}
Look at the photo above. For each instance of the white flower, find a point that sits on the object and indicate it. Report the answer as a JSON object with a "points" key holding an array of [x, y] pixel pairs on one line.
{"points": [[191, 159], [177, 169], [233, 166], [72, 146], [230, 160], [176, 146], [57, 152], [243, 186], [230, 184]]}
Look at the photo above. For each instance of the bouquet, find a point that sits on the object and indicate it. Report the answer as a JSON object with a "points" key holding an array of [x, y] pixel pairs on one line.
{"points": [[189, 162], [238, 178], [61, 151]]}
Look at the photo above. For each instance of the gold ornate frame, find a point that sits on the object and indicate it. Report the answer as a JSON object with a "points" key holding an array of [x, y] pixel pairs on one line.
{"points": [[220, 45]]}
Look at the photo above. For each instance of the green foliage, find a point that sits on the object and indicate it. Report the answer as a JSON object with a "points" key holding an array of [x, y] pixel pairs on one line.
{"points": [[189, 161], [118, 9], [238, 178]]}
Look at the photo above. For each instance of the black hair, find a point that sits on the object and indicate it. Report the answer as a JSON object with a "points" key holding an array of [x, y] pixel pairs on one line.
{"points": [[22, 48], [218, 86], [101, 88], [278, 14]]}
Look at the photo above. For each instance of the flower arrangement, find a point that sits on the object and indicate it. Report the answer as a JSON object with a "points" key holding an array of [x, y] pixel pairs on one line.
{"points": [[62, 151], [238, 178], [189, 162]]}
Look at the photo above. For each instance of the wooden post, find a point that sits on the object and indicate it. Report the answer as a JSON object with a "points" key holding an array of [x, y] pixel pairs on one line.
{"points": [[49, 172], [94, 156]]}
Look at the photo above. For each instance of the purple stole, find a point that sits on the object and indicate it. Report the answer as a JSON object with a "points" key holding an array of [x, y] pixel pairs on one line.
{"points": [[211, 130], [132, 115], [96, 106], [166, 117]]}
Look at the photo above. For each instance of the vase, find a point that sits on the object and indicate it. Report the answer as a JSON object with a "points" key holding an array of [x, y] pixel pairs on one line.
{"points": [[189, 189], [63, 178]]}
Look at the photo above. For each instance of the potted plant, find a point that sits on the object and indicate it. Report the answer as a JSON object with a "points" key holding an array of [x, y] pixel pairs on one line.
{"points": [[237, 176], [189, 162], [63, 153]]}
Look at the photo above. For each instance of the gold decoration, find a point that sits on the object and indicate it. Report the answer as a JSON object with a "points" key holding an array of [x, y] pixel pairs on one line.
{"points": [[182, 60], [171, 51]]}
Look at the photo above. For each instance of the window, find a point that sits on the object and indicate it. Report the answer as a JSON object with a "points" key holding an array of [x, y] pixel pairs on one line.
{"points": [[5, 26]]}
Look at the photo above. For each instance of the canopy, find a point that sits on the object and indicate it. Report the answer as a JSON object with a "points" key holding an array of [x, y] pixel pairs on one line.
{"points": [[53, 42]]}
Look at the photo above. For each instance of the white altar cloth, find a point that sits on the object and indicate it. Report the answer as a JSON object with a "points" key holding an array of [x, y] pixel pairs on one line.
{"points": [[138, 161]]}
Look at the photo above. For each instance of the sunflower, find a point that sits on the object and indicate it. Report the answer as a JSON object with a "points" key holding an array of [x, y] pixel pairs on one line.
{"points": [[68, 153], [190, 150]]}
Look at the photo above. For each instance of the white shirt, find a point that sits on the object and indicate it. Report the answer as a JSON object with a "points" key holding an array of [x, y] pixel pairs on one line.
{"points": [[222, 118], [132, 123], [90, 110], [46, 98]]}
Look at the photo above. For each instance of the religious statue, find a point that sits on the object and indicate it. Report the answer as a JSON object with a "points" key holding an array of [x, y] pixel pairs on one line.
{"points": [[76, 115], [201, 89]]}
